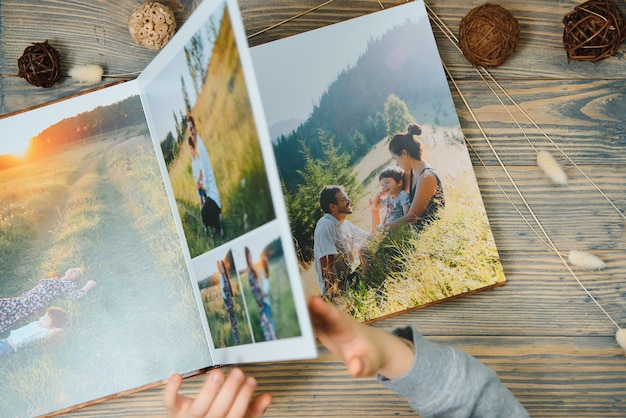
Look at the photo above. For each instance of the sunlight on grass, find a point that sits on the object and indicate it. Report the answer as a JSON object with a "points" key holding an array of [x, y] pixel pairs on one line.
{"points": [[108, 213], [456, 254]]}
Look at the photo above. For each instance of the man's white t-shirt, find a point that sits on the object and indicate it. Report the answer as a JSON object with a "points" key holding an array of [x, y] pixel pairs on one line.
{"points": [[342, 240]]}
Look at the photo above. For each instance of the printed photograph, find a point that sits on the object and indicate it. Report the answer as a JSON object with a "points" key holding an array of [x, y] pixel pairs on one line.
{"points": [[223, 300], [93, 272], [201, 111], [247, 295], [382, 199]]}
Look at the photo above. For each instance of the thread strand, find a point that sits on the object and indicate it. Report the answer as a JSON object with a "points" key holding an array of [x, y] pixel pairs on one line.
{"points": [[548, 240]]}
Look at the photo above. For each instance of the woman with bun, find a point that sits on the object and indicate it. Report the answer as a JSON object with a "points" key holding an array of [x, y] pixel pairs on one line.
{"points": [[423, 185]]}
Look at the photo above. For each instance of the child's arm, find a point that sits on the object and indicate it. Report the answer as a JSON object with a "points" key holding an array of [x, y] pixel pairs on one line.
{"points": [[406, 203], [437, 380], [364, 349], [89, 286], [375, 206], [405, 209]]}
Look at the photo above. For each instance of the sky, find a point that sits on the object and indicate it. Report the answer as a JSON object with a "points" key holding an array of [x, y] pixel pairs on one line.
{"points": [[291, 75], [17, 131], [162, 88]]}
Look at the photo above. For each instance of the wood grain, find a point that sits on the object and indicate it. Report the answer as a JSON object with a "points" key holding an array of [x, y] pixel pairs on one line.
{"points": [[544, 336]]}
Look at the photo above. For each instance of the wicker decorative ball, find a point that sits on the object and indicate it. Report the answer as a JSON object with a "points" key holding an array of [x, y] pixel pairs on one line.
{"points": [[40, 64], [488, 35], [593, 31], [152, 25]]}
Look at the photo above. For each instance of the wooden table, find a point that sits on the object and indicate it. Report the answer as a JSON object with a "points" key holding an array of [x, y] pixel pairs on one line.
{"points": [[548, 341]]}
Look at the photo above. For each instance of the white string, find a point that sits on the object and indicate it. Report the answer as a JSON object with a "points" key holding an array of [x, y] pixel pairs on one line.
{"points": [[506, 171], [454, 40], [290, 19]]}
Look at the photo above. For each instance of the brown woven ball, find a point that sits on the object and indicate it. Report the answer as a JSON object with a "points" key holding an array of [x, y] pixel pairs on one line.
{"points": [[488, 35], [152, 25], [593, 31], [40, 64]]}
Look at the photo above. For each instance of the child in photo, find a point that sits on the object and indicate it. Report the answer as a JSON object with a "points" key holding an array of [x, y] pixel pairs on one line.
{"points": [[48, 325], [392, 197], [19, 308]]}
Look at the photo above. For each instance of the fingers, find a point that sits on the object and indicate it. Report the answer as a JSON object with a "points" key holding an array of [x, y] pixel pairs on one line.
{"points": [[259, 405], [174, 404], [321, 312], [234, 397], [220, 396], [349, 340], [207, 394]]}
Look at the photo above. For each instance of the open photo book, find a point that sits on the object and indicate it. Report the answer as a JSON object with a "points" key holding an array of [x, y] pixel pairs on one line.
{"points": [[172, 223]]}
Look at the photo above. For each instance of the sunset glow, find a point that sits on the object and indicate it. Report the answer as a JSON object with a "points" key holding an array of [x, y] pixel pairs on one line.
{"points": [[16, 146]]}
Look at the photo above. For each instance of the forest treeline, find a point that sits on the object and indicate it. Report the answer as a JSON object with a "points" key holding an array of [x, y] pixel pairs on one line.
{"points": [[352, 110], [81, 129]]}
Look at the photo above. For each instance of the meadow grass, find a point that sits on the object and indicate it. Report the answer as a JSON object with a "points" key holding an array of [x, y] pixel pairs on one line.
{"points": [[455, 254], [225, 123], [111, 216], [218, 319], [282, 304], [31, 195]]}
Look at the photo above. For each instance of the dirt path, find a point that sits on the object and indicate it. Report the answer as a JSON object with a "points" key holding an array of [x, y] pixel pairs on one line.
{"points": [[120, 249], [132, 298]]}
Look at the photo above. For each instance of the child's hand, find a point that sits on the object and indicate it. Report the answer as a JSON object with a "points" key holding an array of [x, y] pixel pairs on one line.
{"points": [[364, 350], [375, 203], [219, 397], [90, 285]]}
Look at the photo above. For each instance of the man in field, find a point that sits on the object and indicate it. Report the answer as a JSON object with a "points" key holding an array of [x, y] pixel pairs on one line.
{"points": [[336, 241]]}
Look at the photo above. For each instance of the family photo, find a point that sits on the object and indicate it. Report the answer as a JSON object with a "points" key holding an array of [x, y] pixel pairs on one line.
{"points": [[208, 138], [382, 198]]}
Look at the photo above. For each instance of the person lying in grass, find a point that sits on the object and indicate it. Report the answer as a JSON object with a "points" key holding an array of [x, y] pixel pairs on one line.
{"points": [[437, 380], [48, 325], [18, 308]]}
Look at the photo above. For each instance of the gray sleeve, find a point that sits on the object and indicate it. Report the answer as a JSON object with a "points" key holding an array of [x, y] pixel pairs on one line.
{"points": [[446, 382]]}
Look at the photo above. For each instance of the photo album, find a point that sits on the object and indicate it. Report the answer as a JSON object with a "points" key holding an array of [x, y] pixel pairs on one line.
{"points": [[177, 221]]}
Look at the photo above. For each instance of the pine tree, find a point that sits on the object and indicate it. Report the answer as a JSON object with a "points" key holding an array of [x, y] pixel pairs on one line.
{"points": [[333, 168]]}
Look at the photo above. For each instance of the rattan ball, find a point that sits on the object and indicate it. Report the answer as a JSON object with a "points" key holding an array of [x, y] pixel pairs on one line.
{"points": [[593, 31], [488, 35], [152, 25], [40, 64]]}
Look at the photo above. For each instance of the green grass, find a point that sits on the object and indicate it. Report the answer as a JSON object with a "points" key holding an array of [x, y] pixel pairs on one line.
{"points": [[106, 211], [218, 319], [455, 254], [281, 301], [225, 123]]}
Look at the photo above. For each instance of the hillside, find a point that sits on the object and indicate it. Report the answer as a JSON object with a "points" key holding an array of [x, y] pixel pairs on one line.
{"points": [[352, 109]]}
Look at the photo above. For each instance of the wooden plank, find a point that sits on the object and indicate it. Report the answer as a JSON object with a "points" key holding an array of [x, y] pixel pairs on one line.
{"points": [[564, 211], [582, 117], [551, 376], [541, 33], [536, 301], [93, 32], [546, 338]]}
